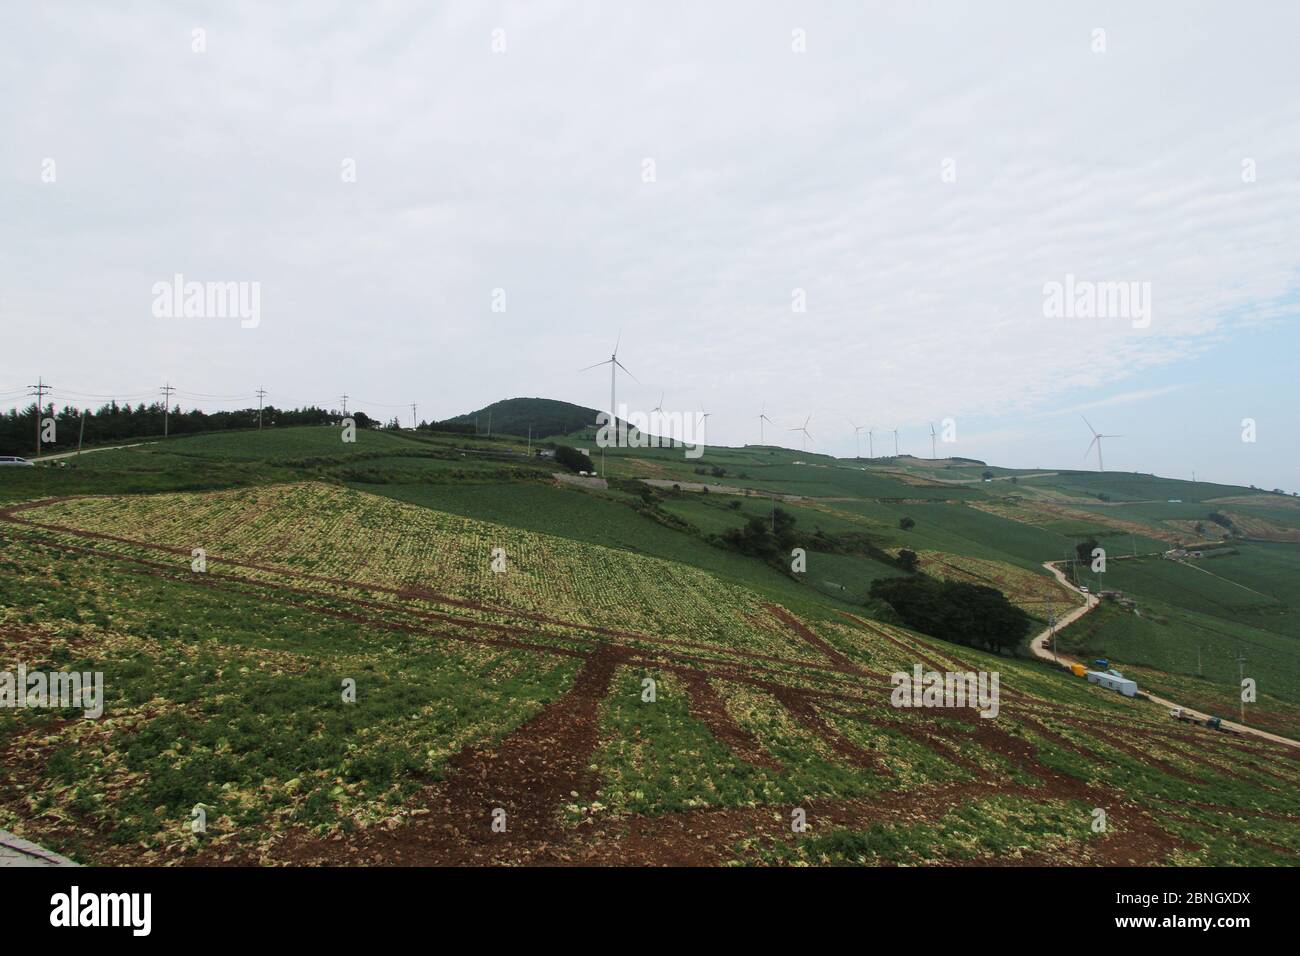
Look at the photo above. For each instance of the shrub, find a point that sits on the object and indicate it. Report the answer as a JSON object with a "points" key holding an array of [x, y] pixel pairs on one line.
{"points": [[572, 459]]}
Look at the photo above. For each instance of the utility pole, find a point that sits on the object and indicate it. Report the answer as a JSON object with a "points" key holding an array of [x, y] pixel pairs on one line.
{"points": [[530, 441], [1241, 674], [167, 390], [261, 394], [413, 414], [81, 434], [41, 388], [345, 403]]}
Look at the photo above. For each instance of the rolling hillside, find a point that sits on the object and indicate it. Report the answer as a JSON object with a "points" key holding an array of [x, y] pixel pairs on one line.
{"points": [[515, 416], [601, 667]]}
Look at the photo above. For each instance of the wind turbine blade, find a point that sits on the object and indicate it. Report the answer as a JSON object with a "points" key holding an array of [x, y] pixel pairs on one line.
{"points": [[624, 368], [1089, 424], [617, 341], [1090, 444], [597, 365]]}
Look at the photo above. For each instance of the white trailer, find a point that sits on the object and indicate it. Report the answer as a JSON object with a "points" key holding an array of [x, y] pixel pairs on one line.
{"points": [[1122, 684]]}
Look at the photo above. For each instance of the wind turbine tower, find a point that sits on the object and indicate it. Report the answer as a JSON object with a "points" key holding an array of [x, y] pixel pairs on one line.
{"points": [[762, 417], [857, 437], [804, 429], [614, 365], [1096, 440]]}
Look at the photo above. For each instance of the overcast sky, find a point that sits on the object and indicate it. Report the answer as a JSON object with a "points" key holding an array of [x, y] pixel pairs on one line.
{"points": [[919, 171]]}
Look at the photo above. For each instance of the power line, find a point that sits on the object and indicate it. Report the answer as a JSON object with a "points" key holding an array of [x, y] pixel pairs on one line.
{"points": [[73, 392], [381, 404], [224, 397], [261, 394]]}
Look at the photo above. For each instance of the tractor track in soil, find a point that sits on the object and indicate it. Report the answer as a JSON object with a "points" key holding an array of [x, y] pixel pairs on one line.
{"points": [[545, 763]]}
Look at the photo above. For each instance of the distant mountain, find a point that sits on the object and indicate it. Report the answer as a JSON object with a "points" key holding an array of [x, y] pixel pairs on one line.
{"points": [[514, 416]]}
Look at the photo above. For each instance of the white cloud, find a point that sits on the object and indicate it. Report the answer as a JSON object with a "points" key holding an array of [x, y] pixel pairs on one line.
{"points": [[522, 170]]}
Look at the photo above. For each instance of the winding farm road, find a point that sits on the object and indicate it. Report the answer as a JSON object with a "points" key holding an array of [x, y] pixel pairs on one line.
{"points": [[89, 451], [1041, 646]]}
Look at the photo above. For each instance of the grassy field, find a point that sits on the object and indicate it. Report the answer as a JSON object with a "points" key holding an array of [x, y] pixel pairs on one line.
{"points": [[1195, 618], [624, 687]]}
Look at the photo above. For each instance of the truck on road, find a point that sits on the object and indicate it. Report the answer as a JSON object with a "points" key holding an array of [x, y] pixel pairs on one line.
{"points": [[1213, 723]]}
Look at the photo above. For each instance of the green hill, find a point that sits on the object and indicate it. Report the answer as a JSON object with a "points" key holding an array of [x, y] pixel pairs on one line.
{"points": [[515, 416]]}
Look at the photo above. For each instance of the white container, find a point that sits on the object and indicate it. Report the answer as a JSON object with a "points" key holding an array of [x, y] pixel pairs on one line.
{"points": [[1122, 684]]}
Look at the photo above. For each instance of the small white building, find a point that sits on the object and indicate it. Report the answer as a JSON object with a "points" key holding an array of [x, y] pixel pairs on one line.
{"points": [[1122, 684]]}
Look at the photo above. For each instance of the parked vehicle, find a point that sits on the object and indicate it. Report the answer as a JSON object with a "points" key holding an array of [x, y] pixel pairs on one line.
{"points": [[1213, 723], [12, 460]]}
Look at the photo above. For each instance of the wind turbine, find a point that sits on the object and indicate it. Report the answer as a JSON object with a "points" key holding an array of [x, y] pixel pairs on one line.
{"points": [[660, 406], [704, 416], [803, 428], [871, 445], [614, 365], [895, 442], [933, 453], [762, 417], [1096, 440], [857, 436]]}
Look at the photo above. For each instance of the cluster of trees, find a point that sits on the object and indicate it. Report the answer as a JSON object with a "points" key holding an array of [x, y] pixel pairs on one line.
{"points": [[572, 459], [1223, 521], [451, 427], [112, 422], [970, 614], [771, 539]]}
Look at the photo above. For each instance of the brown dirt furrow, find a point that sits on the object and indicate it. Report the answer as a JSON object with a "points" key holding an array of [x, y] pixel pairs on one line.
{"points": [[530, 775], [929, 736], [831, 653], [707, 707], [798, 704]]}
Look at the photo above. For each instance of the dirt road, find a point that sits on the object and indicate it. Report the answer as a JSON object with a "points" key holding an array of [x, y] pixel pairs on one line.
{"points": [[1041, 645], [88, 451]]}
